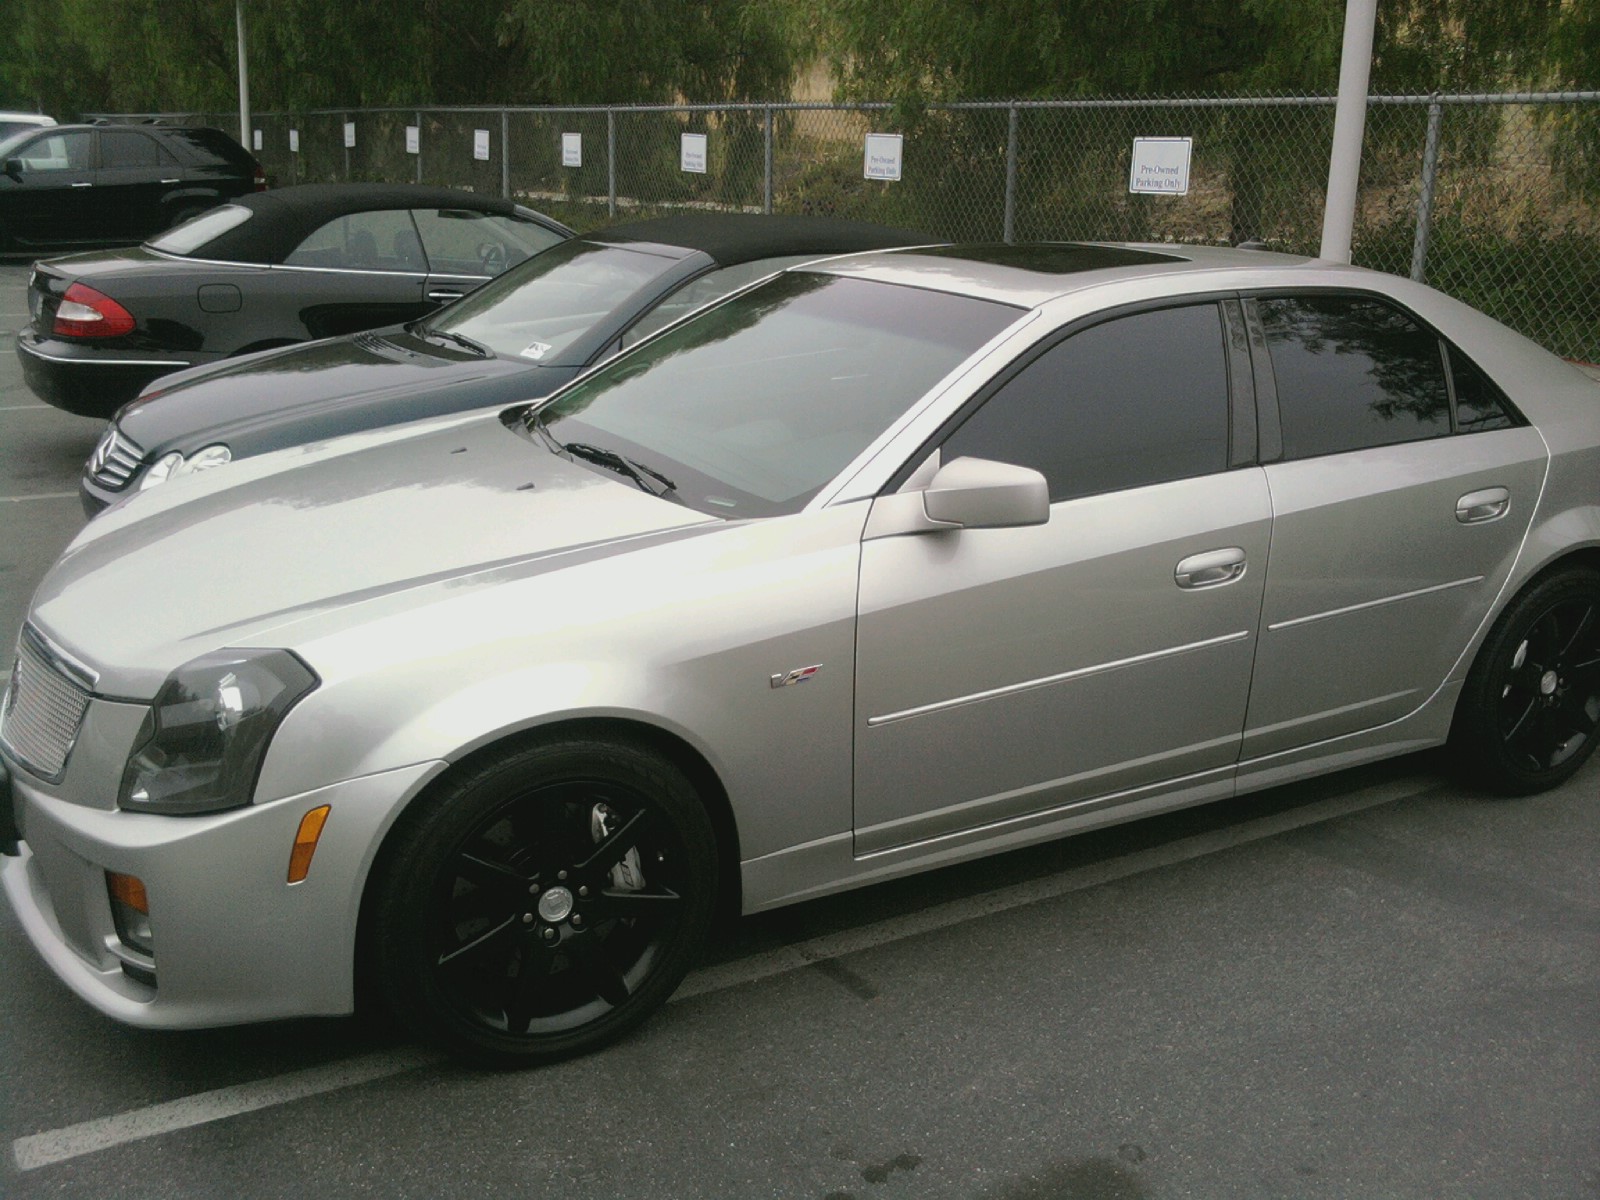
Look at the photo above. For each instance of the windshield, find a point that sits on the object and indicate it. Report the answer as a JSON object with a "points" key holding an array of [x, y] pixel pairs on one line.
{"points": [[751, 406], [538, 310], [197, 231], [12, 140]]}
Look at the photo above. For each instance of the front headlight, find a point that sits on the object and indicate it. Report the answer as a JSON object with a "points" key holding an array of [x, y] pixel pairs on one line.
{"points": [[174, 465], [200, 748]]}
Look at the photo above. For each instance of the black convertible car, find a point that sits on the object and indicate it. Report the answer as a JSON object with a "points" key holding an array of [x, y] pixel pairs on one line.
{"points": [[263, 270], [518, 338]]}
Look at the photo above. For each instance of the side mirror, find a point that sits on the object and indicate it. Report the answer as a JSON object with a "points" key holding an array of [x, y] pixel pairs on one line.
{"points": [[969, 493], [976, 493], [13, 168]]}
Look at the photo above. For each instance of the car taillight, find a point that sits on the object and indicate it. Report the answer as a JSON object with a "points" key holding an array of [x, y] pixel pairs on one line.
{"points": [[86, 313], [261, 179]]}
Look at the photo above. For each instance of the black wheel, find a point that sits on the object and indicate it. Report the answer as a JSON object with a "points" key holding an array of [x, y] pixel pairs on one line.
{"points": [[545, 904], [1530, 710]]}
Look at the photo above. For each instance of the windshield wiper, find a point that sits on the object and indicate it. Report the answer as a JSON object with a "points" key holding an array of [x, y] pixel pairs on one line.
{"points": [[420, 330], [635, 471]]}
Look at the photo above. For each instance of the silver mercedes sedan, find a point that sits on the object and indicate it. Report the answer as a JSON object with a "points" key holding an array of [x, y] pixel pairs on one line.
{"points": [[880, 564]]}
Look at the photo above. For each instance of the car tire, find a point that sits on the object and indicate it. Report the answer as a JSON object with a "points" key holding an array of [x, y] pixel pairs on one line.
{"points": [[544, 904], [1529, 713]]}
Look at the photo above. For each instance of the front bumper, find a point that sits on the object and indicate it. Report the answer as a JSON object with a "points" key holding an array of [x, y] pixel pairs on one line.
{"points": [[233, 941], [89, 380]]}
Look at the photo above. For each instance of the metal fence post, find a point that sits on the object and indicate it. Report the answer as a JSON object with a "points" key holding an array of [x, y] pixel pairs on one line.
{"points": [[611, 161], [1010, 232], [419, 147], [505, 154], [1430, 175], [766, 206]]}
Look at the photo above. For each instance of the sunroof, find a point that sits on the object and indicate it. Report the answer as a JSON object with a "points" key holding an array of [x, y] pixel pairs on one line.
{"points": [[1053, 258]]}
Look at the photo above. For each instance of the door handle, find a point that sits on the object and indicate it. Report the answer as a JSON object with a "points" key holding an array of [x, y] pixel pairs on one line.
{"points": [[82, 185], [1488, 505], [1211, 569], [443, 297]]}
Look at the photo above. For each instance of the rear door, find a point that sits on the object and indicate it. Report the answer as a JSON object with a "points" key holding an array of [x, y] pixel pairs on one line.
{"points": [[134, 173], [1397, 514]]}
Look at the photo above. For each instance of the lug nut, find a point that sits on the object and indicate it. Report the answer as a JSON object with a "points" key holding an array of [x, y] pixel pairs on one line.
{"points": [[583, 891], [577, 920], [561, 874], [533, 889], [527, 918], [549, 935]]}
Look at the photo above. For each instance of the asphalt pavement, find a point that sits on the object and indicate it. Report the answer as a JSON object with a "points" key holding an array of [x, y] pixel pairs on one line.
{"points": [[1374, 985]]}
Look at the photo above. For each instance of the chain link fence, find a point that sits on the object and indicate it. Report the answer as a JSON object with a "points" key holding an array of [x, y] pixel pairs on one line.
{"points": [[1492, 198]]}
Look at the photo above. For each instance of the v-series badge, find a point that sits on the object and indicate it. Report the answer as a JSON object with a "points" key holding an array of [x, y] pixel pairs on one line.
{"points": [[798, 675]]}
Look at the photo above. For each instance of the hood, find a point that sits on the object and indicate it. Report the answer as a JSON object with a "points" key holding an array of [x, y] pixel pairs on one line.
{"points": [[223, 558], [323, 389]]}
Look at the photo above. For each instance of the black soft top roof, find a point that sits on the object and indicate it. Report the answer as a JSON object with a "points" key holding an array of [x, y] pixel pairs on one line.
{"points": [[731, 238], [285, 217]]}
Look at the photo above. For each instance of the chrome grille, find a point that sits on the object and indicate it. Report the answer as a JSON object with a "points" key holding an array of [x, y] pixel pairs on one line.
{"points": [[115, 460], [44, 707]]}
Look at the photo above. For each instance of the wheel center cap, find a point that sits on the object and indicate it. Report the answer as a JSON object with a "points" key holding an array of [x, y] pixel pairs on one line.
{"points": [[555, 905], [1548, 683]]}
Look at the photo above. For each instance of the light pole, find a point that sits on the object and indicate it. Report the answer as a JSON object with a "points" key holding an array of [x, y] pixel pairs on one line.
{"points": [[1349, 123], [244, 78]]}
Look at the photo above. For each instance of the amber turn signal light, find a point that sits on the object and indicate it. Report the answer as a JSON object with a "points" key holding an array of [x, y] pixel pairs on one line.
{"points": [[129, 891], [305, 842]]}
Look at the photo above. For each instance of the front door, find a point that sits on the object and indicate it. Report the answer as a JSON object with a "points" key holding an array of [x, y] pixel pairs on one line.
{"points": [[1004, 675]]}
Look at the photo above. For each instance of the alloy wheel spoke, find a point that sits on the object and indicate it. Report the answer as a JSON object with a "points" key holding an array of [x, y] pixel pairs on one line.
{"points": [[1518, 727], [599, 971], [1572, 643], [610, 850], [523, 988], [490, 875], [616, 902], [479, 947]]}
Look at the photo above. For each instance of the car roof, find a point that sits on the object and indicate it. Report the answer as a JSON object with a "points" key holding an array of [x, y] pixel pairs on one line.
{"points": [[285, 217], [1031, 273], [32, 118], [731, 238]]}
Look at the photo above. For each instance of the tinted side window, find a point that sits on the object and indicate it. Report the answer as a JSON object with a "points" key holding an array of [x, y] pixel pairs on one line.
{"points": [[369, 241], [1136, 400], [57, 152], [125, 148], [460, 241], [1479, 404], [1353, 372]]}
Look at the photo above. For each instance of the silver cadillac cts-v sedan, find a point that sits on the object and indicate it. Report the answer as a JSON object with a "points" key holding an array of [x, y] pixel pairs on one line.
{"points": [[880, 564]]}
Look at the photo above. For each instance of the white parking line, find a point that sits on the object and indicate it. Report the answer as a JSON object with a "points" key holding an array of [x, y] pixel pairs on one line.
{"points": [[73, 1141], [39, 496], [59, 1145]]}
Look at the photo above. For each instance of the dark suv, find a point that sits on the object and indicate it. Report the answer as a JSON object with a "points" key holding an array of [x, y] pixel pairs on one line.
{"points": [[72, 186]]}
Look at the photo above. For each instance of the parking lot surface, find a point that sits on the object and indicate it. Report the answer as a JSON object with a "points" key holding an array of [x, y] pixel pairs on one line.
{"points": [[1375, 985]]}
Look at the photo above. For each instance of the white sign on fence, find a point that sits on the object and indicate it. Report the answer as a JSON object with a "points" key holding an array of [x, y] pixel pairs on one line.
{"points": [[692, 153], [255, 138], [349, 135], [883, 155], [294, 141], [480, 145], [572, 149], [1160, 166], [413, 139]]}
